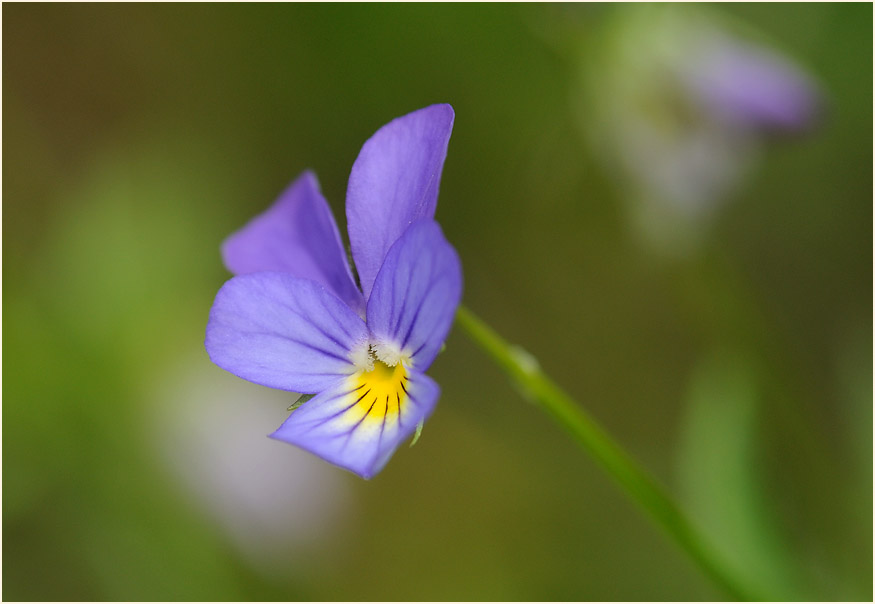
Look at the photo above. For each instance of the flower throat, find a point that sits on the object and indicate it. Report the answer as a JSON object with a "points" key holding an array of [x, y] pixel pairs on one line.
{"points": [[382, 391]]}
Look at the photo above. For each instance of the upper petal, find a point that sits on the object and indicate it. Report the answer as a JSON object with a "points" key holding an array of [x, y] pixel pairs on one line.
{"points": [[393, 183], [415, 296], [283, 332], [296, 235], [357, 425]]}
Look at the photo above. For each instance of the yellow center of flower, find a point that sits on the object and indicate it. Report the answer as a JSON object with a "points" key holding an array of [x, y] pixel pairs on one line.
{"points": [[381, 393]]}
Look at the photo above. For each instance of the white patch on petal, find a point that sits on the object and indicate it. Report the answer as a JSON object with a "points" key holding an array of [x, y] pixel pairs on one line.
{"points": [[390, 353], [360, 356]]}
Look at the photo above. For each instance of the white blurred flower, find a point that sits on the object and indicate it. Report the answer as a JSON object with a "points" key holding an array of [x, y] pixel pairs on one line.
{"points": [[273, 501]]}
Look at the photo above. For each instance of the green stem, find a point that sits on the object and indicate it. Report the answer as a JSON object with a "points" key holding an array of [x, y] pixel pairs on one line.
{"points": [[634, 479]]}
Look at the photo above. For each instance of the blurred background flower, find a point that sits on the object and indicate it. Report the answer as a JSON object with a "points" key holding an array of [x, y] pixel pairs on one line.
{"points": [[137, 137], [678, 103], [274, 505]]}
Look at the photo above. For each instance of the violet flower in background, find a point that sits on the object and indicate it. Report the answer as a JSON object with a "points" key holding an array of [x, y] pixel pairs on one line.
{"points": [[750, 86], [294, 319], [678, 105]]}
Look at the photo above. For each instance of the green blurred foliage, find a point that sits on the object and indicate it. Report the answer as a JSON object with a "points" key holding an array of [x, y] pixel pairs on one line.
{"points": [[138, 136]]}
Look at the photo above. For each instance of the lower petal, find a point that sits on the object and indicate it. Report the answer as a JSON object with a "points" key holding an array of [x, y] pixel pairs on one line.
{"points": [[359, 422]]}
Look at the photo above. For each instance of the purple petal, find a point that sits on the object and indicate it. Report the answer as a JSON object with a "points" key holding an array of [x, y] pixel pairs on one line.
{"points": [[393, 183], [349, 426], [415, 296], [296, 235], [283, 332], [755, 86]]}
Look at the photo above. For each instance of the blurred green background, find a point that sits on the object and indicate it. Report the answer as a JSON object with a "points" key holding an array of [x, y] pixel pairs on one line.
{"points": [[136, 137]]}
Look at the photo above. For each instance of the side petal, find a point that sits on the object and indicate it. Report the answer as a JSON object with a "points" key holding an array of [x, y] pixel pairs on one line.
{"points": [[393, 183], [415, 296], [283, 332], [354, 428], [296, 235]]}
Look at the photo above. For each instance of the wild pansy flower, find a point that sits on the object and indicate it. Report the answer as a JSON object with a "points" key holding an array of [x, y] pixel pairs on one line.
{"points": [[293, 317]]}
